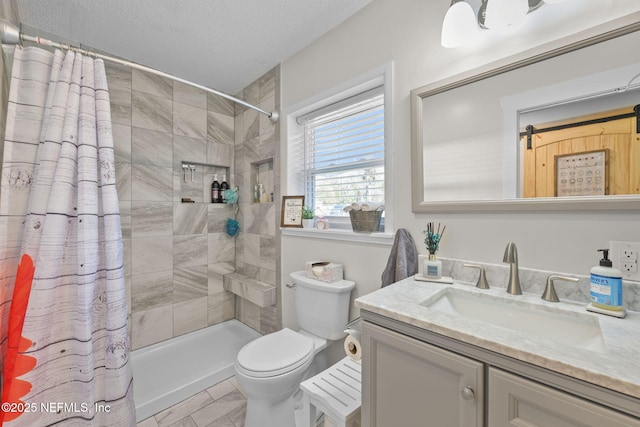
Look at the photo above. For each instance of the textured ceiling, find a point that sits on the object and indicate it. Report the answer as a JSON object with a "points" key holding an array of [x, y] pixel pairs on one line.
{"points": [[222, 44]]}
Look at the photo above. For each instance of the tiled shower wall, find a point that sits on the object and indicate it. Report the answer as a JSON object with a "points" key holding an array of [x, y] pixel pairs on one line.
{"points": [[175, 253], [257, 142]]}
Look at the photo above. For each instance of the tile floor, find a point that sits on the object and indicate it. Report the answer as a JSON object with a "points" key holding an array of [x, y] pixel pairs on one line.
{"points": [[222, 405]]}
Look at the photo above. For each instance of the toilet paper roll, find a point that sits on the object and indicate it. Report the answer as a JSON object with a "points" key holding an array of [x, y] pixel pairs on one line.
{"points": [[353, 348], [357, 334]]}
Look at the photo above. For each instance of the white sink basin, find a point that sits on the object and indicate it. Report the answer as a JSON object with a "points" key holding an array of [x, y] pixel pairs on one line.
{"points": [[526, 318]]}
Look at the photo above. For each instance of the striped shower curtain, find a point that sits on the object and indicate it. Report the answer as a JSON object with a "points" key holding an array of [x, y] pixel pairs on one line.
{"points": [[65, 356]]}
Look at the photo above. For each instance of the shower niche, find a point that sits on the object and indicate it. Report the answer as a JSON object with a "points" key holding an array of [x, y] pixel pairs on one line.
{"points": [[262, 180], [197, 179]]}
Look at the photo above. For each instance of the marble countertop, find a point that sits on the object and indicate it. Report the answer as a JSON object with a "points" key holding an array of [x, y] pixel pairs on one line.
{"points": [[616, 367]]}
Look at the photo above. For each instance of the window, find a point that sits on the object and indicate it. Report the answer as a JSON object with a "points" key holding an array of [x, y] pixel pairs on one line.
{"points": [[344, 154]]}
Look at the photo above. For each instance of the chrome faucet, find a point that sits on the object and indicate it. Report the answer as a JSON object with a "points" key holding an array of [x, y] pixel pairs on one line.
{"points": [[549, 293], [511, 256]]}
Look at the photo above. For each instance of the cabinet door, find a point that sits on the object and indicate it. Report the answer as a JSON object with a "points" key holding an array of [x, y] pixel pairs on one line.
{"points": [[515, 401], [408, 383]]}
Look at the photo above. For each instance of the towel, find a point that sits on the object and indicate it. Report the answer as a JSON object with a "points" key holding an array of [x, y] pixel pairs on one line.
{"points": [[403, 260]]}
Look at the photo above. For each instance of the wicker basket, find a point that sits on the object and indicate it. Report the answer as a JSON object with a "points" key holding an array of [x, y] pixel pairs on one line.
{"points": [[365, 221]]}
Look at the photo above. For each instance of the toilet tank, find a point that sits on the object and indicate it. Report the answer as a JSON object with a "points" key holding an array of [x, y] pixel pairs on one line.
{"points": [[322, 308]]}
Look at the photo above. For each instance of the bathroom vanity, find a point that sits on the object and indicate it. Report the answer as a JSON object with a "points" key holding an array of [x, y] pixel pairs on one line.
{"points": [[501, 360]]}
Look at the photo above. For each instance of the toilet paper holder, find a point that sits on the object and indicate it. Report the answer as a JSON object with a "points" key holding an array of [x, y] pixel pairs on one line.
{"points": [[352, 344], [354, 328], [355, 324]]}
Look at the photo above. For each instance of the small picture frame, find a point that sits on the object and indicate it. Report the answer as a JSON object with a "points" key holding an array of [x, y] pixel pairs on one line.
{"points": [[291, 215], [582, 174]]}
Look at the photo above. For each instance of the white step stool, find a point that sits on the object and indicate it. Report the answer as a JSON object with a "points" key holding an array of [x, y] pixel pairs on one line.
{"points": [[336, 391]]}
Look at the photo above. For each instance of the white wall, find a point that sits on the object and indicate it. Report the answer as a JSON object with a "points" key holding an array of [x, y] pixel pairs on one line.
{"points": [[408, 33]]}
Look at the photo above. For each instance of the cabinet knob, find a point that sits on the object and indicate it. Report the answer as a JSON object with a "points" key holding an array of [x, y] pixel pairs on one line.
{"points": [[468, 394]]}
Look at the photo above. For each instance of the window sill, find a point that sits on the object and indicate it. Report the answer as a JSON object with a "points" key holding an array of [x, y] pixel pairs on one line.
{"points": [[345, 235]]}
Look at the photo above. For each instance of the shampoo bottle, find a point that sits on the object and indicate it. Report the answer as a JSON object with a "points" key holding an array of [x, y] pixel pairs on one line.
{"points": [[215, 190], [224, 185], [606, 288]]}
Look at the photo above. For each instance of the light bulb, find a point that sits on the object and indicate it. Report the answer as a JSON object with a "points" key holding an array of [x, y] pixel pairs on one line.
{"points": [[459, 25], [501, 14]]}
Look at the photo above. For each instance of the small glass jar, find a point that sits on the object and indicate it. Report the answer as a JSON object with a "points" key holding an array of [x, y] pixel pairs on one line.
{"points": [[432, 267]]}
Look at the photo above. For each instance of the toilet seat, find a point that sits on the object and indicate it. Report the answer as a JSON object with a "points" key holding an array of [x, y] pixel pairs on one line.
{"points": [[275, 354]]}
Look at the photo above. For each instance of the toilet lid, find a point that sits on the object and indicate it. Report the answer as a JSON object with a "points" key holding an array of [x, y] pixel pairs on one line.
{"points": [[275, 353]]}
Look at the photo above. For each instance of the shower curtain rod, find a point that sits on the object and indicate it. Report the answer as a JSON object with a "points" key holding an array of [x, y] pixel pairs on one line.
{"points": [[10, 34]]}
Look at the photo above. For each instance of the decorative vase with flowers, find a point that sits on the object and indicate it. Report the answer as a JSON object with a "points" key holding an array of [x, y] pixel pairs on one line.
{"points": [[432, 267]]}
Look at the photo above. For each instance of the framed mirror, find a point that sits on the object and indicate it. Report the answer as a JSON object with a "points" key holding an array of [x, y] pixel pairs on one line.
{"points": [[526, 132]]}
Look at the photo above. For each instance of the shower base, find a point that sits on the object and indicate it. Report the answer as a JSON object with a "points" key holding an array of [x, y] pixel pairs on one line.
{"points": [[171, 371]]}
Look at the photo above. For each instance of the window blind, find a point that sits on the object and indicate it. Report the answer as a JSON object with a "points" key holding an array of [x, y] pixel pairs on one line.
{"points": [[344, 154]]}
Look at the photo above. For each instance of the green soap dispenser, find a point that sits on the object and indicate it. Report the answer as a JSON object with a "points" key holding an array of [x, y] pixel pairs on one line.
{"points": [[606, 288]]}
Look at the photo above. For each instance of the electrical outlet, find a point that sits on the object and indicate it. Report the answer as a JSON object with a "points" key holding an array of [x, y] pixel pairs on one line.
{"points": [[629, 254], [624, 256], [629, 266]]}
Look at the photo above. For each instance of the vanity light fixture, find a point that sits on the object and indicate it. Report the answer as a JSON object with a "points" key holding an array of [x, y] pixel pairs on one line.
{"points": [[461, 24], [501, 14]]}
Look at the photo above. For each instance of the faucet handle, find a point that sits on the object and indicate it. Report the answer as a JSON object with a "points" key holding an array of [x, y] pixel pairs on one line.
{"points": [[482, 278], [549, 293]]}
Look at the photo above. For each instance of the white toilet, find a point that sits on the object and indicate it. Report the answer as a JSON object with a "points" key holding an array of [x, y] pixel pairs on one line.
{"points": [[271, 368]]}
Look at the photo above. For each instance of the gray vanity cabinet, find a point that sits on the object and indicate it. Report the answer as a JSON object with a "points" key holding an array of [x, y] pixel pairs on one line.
{"points": [[410, 383], [516, 401]]}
